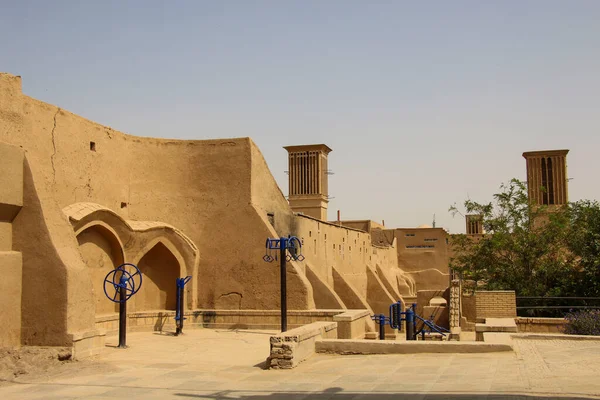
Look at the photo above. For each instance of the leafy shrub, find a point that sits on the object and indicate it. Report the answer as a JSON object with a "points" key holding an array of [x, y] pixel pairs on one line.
{"points": [[584, 322]]}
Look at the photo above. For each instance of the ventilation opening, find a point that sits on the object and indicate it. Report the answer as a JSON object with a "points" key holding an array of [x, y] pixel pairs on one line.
{"points": [[93, 146], [123, 204], [271, 217]]}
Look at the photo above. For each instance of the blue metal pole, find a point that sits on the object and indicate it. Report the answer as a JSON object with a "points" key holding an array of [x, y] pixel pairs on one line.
{"points": [[122, 314], [178, 319], [410, 324], [381, 327], [282, 249]]}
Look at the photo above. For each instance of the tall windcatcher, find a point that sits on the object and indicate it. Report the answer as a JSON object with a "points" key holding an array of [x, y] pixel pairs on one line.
{"points": [[308, 190], [474, 224], [547, 177]]}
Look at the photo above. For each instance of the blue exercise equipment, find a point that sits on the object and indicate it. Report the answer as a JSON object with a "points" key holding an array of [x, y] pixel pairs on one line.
{"points": [[125, 277], [125, 280], [179, 313], [410, 317]]}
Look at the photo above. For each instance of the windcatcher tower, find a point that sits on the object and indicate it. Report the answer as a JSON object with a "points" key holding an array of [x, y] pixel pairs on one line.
{"points": [[308, 190], [474, 224], [547, 177]]}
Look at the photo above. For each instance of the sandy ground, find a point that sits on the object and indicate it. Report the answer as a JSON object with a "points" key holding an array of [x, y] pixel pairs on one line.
{"points": [[43, 364]]}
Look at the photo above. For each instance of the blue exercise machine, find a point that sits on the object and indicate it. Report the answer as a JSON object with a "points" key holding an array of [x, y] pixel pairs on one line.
{"points": [[179, 312], [410, 317], [122, 282]]}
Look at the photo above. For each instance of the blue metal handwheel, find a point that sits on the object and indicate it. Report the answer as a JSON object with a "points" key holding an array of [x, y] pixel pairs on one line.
{"points": [[126, 276]]}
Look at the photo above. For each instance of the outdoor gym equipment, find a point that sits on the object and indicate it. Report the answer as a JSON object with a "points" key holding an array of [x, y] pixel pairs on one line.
{"points": [[397, 316], [283, 244], [428, 326], [410, 316], [382, 321], [125, 281], [179, 318]]}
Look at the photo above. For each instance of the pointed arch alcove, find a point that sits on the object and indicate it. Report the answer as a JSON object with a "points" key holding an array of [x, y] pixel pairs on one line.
{"points": [[160, 264], [102, 251]]}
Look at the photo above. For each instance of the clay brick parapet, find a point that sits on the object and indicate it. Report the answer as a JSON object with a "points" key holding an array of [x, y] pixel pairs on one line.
{"points": [[541, 325], [352, 324], [292, 347], [495, 304]]}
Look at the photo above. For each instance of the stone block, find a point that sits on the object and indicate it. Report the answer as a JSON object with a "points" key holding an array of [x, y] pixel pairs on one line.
{"points": [[292, 347]]}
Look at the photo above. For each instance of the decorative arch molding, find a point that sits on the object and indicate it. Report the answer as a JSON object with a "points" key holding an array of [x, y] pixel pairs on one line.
{"points": [[137, 238], [107, 231]]}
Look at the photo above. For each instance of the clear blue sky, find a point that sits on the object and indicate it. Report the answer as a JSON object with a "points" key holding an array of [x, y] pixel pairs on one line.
{"points": [[423, 103]]}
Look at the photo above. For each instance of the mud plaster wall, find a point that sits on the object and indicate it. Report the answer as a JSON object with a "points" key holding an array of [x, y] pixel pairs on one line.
{"points": [[101, 255], [423, 255], [349, 251], [218, 192], [201, 187]]}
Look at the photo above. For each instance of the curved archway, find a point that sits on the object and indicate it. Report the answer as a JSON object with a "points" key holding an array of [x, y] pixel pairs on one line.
{"points": [[101, 250], [160, 269]]}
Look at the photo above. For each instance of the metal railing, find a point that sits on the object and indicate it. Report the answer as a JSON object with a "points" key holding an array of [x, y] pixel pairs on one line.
{"points": [[557, 307]]}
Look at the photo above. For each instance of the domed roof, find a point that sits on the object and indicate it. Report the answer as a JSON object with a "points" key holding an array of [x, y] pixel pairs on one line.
{"points": [[424, 226]]}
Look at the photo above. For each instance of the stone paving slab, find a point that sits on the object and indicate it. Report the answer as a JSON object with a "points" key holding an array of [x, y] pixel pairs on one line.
{"points": [[211, 364]]}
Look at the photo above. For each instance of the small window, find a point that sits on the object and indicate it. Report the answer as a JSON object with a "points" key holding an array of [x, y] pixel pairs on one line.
{"points": [[92, 146], [410, 234], [309, 233]]}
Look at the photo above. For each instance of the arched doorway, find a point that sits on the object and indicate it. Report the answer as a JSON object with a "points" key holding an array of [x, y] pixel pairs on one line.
{"points": [[102, 252], [160, 270]]}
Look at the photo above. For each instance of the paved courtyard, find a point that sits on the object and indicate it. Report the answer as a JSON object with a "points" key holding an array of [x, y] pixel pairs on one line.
{"points": [[213, 364]]}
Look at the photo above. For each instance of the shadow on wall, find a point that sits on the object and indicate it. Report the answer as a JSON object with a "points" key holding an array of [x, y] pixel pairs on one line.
{"points": [[101, 251], [160, 269], [43, 307], [340, 394], [160, 322]]}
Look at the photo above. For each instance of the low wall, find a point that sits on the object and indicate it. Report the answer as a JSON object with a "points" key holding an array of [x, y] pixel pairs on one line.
{"points": [[292, 347], [540, 325], [495, 304], [225, 319], [352, 324], [345, 346]]}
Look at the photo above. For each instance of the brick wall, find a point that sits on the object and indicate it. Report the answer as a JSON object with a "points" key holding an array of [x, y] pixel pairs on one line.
{"points": [[495, 304]]}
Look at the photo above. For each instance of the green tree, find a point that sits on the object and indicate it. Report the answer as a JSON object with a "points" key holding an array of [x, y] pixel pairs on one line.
{"points": [[523, 248], [583, 242]]}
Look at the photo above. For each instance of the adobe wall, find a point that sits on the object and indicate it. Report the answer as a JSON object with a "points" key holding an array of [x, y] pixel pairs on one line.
{"points": [[423, 255], [326, 246], [201, 187], [11, 262], [219, 193]]}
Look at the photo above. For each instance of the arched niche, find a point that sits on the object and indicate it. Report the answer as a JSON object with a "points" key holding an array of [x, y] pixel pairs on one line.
{"points": [[160, 269], [101, 250]]}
